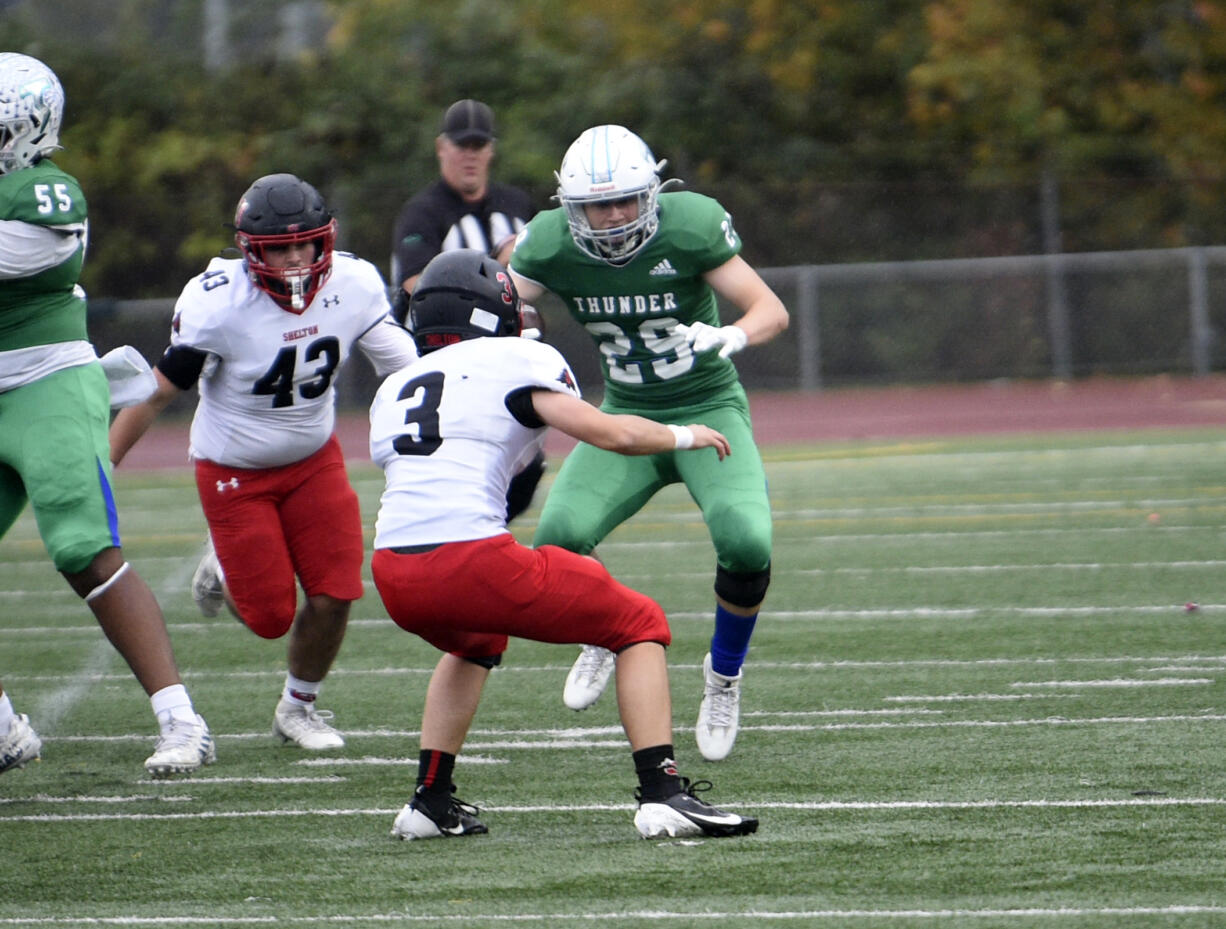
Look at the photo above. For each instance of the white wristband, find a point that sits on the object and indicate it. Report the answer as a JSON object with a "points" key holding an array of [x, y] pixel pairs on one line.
{"points": [[683, 436]]}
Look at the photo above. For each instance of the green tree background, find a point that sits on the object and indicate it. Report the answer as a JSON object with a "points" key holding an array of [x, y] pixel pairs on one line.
{"points": [[833, 130]]}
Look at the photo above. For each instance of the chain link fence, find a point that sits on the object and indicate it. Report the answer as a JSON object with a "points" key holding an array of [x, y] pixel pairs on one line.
{"points": [[1030, 316]]}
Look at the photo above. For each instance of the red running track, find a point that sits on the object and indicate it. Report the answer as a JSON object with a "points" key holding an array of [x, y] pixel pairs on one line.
{"points": [[881, 413]]}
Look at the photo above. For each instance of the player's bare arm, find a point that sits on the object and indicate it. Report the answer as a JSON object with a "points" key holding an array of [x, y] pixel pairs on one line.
{"points": [[622, 433], [529, 291], [130, 423], [764, 315]]}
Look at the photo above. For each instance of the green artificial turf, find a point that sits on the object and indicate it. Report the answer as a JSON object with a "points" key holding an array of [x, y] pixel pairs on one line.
{"points": [[975, 698]]}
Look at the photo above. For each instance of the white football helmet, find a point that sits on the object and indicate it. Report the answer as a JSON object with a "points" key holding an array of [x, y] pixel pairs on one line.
{"points": [[31, 110], [610, 163]]}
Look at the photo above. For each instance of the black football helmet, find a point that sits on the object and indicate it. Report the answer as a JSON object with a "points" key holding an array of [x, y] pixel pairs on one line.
{"points": [[280, 210], [462, 294]]}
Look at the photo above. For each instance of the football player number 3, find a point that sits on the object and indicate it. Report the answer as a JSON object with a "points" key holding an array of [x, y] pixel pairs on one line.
{"points": [[278, 380], [671, 355], [428, 391]]}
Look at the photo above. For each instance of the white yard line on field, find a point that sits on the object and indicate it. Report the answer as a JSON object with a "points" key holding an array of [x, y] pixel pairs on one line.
{"points": [[981, 508], [969, 612], [178, 581], [908, 538], [919, 612], [974, 698], [1120, 682], [611, 736], [732, 917], [1001, 568], [130, 798], [810, 805], [847, 712], [901, 664]]}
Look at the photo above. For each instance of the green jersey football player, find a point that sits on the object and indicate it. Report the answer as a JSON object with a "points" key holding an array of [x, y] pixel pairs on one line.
{"points": [[640, 270], [55, 409]]}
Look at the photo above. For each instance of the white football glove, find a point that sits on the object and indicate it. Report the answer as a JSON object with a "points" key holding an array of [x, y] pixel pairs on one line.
{"points": [[703, 338], [130, 378]]}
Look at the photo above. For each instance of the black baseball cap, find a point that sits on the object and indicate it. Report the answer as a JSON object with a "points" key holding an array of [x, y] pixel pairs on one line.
{"points": [[468, 121]]}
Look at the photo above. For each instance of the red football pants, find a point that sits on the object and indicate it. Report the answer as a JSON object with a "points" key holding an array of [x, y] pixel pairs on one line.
{"points": [[466, 598], [272, 525]]}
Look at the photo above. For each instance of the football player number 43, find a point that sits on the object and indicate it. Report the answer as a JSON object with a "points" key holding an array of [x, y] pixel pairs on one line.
{"points": [[278, 380]]}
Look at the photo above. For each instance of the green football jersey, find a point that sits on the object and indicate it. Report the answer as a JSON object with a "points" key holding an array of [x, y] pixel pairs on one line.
{"points": [[632, 311], [42, 309]]}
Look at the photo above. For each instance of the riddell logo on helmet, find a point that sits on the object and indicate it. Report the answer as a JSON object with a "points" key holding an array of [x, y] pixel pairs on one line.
{"points": [[600, 188]]}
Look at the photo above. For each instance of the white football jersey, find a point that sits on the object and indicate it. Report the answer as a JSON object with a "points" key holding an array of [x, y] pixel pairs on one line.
{"points": [[267, 395], [448, 444]]}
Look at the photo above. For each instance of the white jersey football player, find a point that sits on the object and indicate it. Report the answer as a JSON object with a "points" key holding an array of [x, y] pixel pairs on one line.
{"points": [[266, 386], [450, 431], [264, 337], [456, 490]]}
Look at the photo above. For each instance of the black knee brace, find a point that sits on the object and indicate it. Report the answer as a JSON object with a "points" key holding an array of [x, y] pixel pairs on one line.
{"points": [[489, 662], [742, 589]]}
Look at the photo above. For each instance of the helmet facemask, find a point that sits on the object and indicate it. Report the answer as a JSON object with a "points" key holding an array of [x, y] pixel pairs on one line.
{"points": [[292, 288], [31, 110], [620, 243]]}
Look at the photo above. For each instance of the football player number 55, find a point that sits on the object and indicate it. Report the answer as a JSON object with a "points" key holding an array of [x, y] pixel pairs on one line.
{"points": [[50, 196]]}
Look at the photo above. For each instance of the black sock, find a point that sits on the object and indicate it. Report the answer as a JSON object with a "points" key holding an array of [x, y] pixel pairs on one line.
{"points": [[434, 770], [657, 771]]}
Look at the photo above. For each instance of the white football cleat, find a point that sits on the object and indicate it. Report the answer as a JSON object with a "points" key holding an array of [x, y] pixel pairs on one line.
{"points": [[182, 749], [20, 744], [208, 583], [683, 814], [719, 714], [588, 677], [305, 726]]}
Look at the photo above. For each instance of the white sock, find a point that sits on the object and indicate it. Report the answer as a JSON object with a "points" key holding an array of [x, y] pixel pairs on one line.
{"points": [[300, 692], [6, 712], [172, 704]]}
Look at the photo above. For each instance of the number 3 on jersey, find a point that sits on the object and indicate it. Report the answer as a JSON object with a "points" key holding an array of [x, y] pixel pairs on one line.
{"points": [[278, 380], [424, 415]]}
